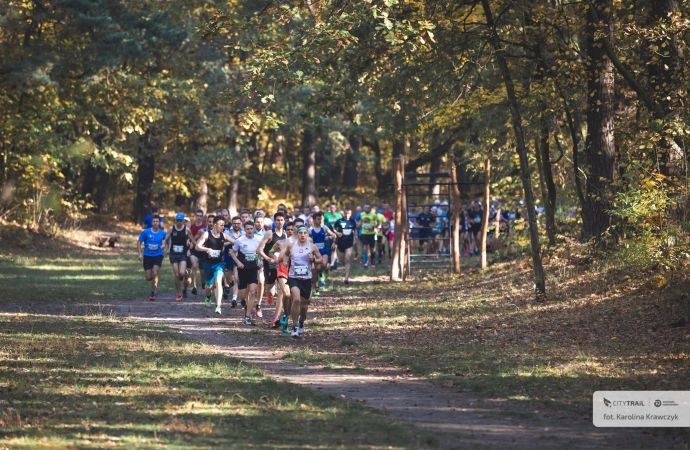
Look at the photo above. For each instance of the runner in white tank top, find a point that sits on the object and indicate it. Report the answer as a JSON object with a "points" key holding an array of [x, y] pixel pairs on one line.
{"points": [[301, 255]]}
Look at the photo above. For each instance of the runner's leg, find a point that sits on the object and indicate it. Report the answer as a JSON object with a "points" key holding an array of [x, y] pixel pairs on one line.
{"points": [[176, 275], [195, 266]]}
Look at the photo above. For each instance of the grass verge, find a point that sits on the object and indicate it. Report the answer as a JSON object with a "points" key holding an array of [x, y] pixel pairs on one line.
{"points": [[100, 381]]}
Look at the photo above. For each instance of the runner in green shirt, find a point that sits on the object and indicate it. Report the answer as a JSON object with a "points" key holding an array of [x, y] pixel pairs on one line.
{"points": [[380, 246], [368, 221], [330, 217]]}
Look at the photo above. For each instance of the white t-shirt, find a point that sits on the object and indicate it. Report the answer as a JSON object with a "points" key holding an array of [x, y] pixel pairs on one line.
{"points": [[247, 246]]}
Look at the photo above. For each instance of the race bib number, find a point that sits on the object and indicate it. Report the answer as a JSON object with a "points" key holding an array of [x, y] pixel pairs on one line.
{"points": [[366, 226], [152, 247], [178, 248], [214, 254], [477, 220], [386, 226], [320, 245], [250, 256], [347, 232], [301, 271], [277, 255]]}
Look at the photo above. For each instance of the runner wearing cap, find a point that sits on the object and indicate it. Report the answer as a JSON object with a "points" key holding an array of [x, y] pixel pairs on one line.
{"points": [[300, 256], [152, 253], [179, 236]]}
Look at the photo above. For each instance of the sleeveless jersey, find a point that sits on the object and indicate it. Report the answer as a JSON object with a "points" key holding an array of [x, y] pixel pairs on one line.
{"points": [[195, 228], [178, 241], [216, 246], [300, 267], [270, 244], [319, 239]]}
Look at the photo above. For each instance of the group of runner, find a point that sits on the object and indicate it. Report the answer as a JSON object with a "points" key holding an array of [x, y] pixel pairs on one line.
{"points": [[283, 258]]}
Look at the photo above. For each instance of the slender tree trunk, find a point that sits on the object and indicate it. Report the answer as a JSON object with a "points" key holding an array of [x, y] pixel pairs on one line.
{"points": [[309, 169], [202, 199], [378, 170], [278, 150], [546, 176], [350, 172], [399, 241], [487, 209], [145, 175], [100, 197], [539, 283], [456, 214], [435, 167], [232, 194], [600, 146]]}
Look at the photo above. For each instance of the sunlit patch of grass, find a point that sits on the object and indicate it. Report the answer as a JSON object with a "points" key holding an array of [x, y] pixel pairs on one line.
{"points": [[81, 277], [102, 381]]}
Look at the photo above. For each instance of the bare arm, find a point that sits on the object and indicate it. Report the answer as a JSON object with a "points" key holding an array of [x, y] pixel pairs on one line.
{"points": [[200, 243], [267, 237], [233, 255], [191, 238], [141, 255], [317, 255]]}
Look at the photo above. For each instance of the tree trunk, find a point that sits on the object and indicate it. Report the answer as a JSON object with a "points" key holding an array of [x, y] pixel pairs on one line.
{"points": [[100, 197], [350, 172], [600, 146], [145, 175], [539, 283], [378, 170], [456, 214], [546, 174], [435, 167], [202, 200], [399, 238], [308, 169], [278, 150], [233, 192], [487, 208]]}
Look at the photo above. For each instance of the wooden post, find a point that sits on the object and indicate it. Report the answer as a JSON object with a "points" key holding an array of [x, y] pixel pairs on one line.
{"points": [[456, 214], [485, 219], [398, 266]]}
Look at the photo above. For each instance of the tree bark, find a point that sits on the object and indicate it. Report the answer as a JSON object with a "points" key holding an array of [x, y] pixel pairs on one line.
{"points": [[350, 172], [233, 192], [202, 199], [487, 208], [278, 150], [145, 175], [308, 169], [600, 146], [500, 57], [543, 149], [435, 167], [399, 241], [456, 214]]}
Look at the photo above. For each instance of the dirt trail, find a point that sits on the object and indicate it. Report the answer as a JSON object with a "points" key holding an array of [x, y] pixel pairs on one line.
{"points": [[462, 419]]}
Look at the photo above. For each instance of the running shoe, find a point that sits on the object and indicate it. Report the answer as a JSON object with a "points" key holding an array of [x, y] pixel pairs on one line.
{"points": [[258, 311], [300, 330], [276, 323], [248, 321], [218, 310], [286, 328], [243, 302], [208, 302], [366, 265], [346, 281], [322, 283], [373, 266], [188, 281], [284, 319], [269, 297], [179, 298], [225, 293], [361, 262], [152, 298], [295, 333], [335, 265], [233, 304], [193, 291], [316, 292], [356, 257]]}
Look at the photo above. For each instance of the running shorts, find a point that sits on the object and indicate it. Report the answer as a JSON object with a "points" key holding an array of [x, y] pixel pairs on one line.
{"points": [[368, 239], [247, 277], [229, 266], [270, 275], [303, 285], [283, 270], [198, 255], [391, 236], [476, 228], [342, 246], [213, 271], [178, 258], [424, 234], [150, 261]]}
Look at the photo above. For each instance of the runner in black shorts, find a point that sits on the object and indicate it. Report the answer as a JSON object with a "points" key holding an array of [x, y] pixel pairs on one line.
{"points": [[346, 229], [244, 252], [267, 252], [179, 236]]}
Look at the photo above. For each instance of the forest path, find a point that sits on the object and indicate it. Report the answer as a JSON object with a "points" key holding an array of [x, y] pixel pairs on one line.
{"points": [[463, 419]]}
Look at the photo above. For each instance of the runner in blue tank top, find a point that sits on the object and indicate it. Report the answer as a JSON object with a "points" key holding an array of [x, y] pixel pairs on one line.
{"points": [[321, 237]]}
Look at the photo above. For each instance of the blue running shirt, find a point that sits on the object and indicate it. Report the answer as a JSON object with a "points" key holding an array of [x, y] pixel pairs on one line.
{"points": [[153, 242]]}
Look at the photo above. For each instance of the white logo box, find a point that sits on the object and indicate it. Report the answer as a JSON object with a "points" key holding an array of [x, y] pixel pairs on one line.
{"points": [[641, 408]]}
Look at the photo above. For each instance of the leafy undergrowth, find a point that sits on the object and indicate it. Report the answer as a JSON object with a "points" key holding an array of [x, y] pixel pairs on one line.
{"points": [[98, 381], [603, 329]]}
